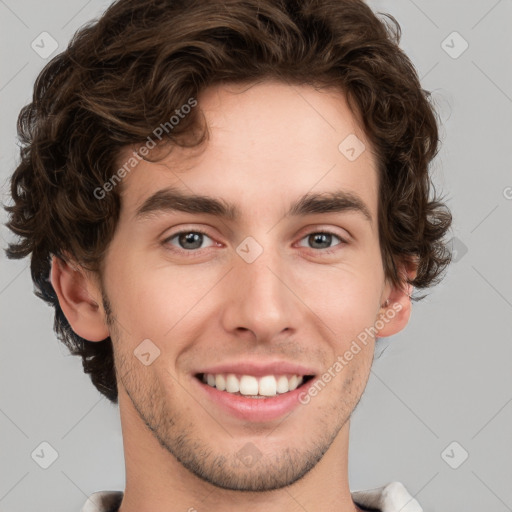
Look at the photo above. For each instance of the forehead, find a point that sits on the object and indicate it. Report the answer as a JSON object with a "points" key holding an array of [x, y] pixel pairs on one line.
{"points": [[268, 144]]}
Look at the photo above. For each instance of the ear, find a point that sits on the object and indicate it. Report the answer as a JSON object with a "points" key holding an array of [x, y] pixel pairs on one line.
{"points": [[79, 296], [396, 311]]}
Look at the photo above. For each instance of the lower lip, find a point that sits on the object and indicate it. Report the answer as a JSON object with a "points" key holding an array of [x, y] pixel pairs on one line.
{"points": [[255, 409]]}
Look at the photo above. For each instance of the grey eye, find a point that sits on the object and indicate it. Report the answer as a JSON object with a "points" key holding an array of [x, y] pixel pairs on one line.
{"points": [[320, 240], [189, 240]]}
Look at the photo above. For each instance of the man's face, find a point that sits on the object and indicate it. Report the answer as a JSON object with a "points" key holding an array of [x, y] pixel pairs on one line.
{"points": [[205, 302]]}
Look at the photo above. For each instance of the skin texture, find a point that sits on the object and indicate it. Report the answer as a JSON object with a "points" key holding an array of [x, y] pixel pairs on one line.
{"points": [[269, 144]]}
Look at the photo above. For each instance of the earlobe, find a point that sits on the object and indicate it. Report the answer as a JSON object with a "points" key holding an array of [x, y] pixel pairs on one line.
{"points": [[395, 315], [79, 300]]}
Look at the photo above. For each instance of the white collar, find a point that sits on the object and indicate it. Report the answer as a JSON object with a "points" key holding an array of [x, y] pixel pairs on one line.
{"points": [[392, 497]]}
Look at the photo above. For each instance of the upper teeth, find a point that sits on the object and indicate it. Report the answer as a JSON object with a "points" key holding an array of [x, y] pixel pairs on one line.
{"points": [[269, 385]]}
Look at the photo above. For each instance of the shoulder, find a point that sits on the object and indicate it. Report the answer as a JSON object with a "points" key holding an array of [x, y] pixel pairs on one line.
{"points": [[392, 497], [103, 501]]}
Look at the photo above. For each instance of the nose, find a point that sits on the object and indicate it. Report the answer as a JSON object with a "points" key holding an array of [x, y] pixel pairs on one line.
{"points": [[261, 298]]}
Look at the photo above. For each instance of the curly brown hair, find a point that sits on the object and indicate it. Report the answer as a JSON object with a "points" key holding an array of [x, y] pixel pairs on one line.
{"points": [[127, 73]]}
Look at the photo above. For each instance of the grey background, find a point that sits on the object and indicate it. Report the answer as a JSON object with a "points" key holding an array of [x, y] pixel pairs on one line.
{"points": [[447, 377]]}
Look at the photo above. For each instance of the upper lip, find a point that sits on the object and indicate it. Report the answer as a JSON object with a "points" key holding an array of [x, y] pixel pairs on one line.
{"points": [[259, 369]]}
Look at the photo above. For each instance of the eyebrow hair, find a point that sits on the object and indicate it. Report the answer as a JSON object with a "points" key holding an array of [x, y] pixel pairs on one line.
{"points": [[171, 199]]}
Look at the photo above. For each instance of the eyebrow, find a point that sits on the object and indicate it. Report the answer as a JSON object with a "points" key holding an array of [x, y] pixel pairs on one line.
{"points": [[173, 200]]}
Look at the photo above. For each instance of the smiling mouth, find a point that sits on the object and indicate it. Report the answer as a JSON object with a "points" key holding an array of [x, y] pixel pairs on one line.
{"points": [[250, 386]]}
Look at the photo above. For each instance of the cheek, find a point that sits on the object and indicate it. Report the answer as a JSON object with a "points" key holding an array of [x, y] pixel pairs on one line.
{"points": [[346, 296], [151, 299]]}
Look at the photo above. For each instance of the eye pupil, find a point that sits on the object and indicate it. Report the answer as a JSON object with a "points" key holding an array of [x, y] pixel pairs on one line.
{"points": [[321, 238], [193, 238]]}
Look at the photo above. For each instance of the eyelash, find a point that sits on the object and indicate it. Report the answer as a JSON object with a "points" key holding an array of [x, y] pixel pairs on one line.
{"points": [[193, 251]]}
